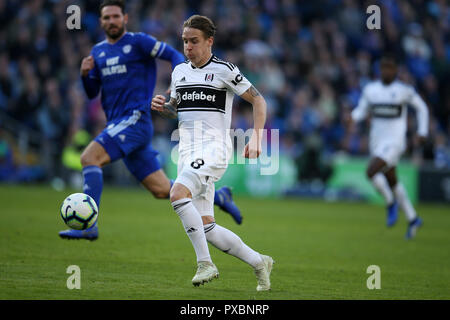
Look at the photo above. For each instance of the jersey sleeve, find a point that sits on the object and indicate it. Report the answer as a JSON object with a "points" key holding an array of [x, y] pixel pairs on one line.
{"points": [[173, 90], [235, 80], [362, 109], [92, 82], [153, 48], [416, 101], [149, 46], [95, 72]]}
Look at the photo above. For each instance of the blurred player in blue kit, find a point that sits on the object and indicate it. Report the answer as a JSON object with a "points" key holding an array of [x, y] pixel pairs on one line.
{"points": [[123, 68]]}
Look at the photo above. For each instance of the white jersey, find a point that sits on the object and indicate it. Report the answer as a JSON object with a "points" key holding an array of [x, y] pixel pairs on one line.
{"points": [[387, 105], [204, 98]]}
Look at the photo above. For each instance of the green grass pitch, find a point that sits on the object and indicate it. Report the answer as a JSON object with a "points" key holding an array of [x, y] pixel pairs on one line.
{"points": [[322, 250]]}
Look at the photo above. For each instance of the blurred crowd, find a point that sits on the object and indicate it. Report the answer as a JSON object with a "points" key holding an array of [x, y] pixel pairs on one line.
{"points": [[309, 59]]}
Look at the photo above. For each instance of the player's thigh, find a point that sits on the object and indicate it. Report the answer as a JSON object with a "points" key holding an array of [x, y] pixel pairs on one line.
{"points": [[143, 162], [391, 176], [158, 184], [197, 176], [376, 165], [388, 151], [107, 146], [95, 154]]}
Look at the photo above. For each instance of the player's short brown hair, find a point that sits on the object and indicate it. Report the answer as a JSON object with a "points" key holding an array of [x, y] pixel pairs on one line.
{"points": [[119, 3], [202, 23]]}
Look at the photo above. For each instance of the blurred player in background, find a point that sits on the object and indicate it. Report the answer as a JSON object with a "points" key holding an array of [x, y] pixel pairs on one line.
{"points": [[123, 67], [202, 92], [386, 101]]}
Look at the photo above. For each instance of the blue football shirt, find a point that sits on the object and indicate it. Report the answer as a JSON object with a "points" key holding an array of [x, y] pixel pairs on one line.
{"points": [[126, 72]]}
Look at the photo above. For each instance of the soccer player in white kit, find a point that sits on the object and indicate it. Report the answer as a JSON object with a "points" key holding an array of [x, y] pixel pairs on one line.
{"points": [[202, 92], [386, 101]]}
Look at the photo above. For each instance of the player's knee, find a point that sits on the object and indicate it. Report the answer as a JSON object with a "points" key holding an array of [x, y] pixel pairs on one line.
{"points": [[178, 192], [392, 181], [88, 159], [175, 196], [370, 173], [207, 220]]}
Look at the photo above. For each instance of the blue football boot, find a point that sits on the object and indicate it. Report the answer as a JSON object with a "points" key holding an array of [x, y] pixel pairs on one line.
{"points": [[413, 226], [88, 234], [226, 203], [392, 214]]}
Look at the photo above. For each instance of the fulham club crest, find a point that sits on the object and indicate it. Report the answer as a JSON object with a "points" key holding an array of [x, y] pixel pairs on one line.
{"points": [[209, 77]]}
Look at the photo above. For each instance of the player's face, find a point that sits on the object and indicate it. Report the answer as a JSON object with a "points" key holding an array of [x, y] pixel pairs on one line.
{"points": [[197, 47], [113, 21], [388, 70]]}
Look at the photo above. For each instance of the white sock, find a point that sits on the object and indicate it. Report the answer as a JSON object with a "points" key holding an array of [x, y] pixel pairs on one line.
{"points": [[193, 225], [404, 202], [380, 183], [227, 241]]}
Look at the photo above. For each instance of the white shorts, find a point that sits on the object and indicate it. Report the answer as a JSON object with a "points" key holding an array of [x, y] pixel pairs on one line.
{"points": [[198, 172], [390, 152]]}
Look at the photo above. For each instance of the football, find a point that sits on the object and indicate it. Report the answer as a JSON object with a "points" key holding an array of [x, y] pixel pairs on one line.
{"points": [[79, 211]]}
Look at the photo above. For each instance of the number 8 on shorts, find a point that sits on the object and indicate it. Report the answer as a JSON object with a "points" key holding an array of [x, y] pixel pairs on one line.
{"points": [[197, 163]]}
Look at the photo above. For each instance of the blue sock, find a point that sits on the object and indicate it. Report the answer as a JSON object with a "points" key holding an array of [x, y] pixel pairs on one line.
{"points": [[93, 182]]}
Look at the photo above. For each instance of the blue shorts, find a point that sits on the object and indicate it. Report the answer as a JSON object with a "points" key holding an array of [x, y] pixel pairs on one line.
{"points": [[129, 138]]}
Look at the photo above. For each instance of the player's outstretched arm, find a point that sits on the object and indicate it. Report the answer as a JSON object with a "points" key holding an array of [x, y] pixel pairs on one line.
{"points": [[254, 147], [362, 109], [172, 55], [168, 110], [158, 49], [422, 116]]}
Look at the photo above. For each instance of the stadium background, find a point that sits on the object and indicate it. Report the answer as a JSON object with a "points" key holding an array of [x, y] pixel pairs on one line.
{"points": [[310, 60]]}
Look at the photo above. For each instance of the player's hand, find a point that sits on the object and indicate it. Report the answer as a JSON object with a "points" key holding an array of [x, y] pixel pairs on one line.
{"points": [[87, 64], [158, 102], [253, 148]]}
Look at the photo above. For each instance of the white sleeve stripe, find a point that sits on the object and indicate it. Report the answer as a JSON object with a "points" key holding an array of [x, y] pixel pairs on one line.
{"points": [[161, 51], [155, 49], [122, 125]]}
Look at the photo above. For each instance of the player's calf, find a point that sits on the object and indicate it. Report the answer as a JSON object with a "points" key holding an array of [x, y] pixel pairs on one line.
{"points": [[228, 242], [158, 184], [191, 220]]}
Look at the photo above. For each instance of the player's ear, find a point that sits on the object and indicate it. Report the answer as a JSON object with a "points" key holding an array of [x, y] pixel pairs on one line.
{"points": [[211, 41], [125, 18]]}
